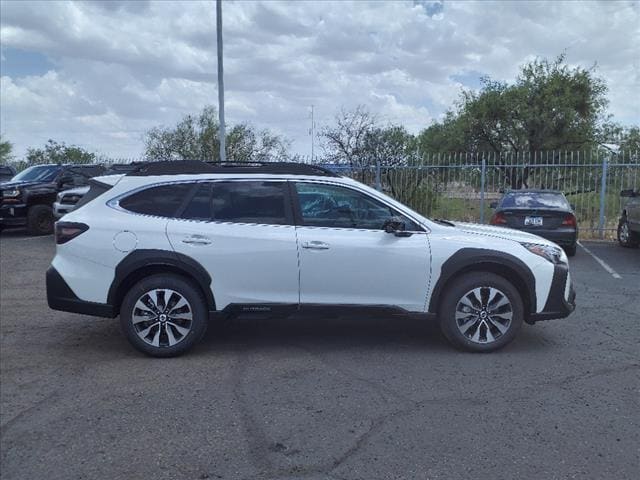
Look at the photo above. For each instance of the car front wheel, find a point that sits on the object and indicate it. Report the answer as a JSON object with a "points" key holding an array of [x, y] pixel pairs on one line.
{"points": [[481, 312], [164, 315]]}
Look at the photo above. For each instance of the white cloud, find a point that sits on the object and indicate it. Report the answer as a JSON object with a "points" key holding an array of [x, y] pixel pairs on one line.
{"points": [[123, 67]]}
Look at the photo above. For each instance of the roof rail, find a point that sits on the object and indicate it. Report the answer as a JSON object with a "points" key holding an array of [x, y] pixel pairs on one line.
{"points": [[178, 167]]}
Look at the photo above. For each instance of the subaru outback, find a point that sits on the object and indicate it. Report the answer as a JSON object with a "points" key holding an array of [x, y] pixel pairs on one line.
{"points": [[172, 245]]}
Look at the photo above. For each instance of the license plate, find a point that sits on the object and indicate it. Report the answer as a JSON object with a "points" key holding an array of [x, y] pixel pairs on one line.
{"points": [[535, 221]]}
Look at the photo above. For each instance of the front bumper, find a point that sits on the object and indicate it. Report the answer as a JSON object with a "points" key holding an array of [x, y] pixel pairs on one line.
{"points": [[61, 209], [13, 215], [61, 297], [562, 297]]}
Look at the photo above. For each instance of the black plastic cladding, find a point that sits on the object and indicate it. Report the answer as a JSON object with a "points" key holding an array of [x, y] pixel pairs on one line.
{"points": [[193, 167]]}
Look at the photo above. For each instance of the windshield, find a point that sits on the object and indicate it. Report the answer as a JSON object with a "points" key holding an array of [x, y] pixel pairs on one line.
{"points": [[41, 173], [534, 200]]}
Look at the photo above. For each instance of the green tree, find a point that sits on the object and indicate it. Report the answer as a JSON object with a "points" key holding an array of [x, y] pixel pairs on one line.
{"points": [[54, 152], [5, 150], [195, 137], [357, 140], [550, 106]]}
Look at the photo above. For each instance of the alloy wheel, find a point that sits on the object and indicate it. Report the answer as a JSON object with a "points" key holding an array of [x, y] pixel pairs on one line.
{"points": [[624, 232], [162, 317], [484, 314]]}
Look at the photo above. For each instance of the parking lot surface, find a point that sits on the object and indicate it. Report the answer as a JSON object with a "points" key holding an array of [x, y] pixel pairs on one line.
{"points": [[336, 398]]}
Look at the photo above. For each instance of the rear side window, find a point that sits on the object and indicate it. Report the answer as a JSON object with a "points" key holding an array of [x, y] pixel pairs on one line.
{"points": [[249, 202], [161, 201]]}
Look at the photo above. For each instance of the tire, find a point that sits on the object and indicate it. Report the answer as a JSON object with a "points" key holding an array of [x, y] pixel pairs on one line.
{"points": [[40, 220], [626, 237], [164, 335], [465, 302], [571, 251]]}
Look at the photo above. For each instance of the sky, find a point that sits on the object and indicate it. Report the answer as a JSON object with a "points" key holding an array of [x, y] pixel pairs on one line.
{"points": [[99, 74]]}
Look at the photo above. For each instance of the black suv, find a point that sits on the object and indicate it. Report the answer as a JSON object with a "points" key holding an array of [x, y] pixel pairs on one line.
{"points": [[27, 199]]}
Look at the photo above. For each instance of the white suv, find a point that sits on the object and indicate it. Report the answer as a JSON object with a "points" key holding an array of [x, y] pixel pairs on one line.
{"points": [[173, 244]]}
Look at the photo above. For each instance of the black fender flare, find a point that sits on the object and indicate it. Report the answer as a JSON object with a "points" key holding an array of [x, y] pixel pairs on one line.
{"points": [[479, 259], [150, 259]]}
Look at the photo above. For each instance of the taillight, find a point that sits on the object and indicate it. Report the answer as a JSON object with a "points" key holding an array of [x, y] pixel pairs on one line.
{"points": [[569, 221], [498, 219], [66, 231]]}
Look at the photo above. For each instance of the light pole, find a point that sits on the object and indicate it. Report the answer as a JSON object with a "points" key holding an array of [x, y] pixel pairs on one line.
{"points": [[221, 130]]}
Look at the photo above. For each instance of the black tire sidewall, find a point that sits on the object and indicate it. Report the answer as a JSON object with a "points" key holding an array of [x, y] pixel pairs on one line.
{"points": [[468, 282], [34, 215], [185, 288]]}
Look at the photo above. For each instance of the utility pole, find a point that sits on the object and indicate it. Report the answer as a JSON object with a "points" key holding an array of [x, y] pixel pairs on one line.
{"points": [[221, 130], [312, 132]]}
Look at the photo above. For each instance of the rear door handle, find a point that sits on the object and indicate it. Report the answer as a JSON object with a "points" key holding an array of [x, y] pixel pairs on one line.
{"points": [[316, 245], [196, 240]]}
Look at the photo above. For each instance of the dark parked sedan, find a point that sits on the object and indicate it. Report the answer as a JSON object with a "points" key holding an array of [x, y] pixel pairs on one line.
{"points": [[543, 212]]}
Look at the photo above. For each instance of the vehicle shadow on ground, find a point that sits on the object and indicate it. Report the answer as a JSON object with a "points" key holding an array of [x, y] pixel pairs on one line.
{"points": [[333, 334]]}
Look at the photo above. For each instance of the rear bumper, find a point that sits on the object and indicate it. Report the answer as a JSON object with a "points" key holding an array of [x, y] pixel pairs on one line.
{"points": [[562, 297], [563, 237], [13, 215], [61, 297]]}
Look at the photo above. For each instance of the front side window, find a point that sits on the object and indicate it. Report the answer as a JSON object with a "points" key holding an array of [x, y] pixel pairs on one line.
{"points": [[339, 207], [160, 201]]}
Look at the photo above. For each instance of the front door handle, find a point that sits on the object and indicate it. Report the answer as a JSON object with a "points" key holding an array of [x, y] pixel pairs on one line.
{"points": [[196, 240], [316, 245]]}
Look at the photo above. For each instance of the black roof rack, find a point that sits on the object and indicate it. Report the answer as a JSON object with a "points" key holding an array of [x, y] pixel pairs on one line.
{"points": [[182, 167]]}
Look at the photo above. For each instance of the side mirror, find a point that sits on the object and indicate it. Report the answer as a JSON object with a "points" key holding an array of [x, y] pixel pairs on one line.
{"points": [[573, 206], [396, 226], [493, 205]]}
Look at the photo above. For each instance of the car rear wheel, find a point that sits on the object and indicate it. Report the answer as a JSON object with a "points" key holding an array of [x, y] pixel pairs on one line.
{"points": [[481, 312], [40, 220], [164, 315], [626, 237], [571, 251]]}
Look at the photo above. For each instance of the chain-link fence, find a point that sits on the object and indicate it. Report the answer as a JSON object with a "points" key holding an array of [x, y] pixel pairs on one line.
{"points": [[463, 186]]}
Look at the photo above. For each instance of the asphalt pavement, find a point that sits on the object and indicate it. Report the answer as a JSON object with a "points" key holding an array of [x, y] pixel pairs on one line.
{"points": [[335, 398]]}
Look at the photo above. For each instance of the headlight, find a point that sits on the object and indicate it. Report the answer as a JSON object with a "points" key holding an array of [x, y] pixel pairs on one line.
{"points": [[553, 254], [11, 193]]}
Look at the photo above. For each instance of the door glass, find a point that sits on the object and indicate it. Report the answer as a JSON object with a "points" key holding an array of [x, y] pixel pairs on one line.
{"points": [[249, 202], [199, 207], [333, 206]]}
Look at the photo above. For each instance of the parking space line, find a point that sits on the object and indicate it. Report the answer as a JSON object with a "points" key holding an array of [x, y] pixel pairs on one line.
{"points": [[602, 263]]}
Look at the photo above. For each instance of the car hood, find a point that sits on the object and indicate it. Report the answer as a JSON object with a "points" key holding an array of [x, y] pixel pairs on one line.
{"points": [[501, 232]]}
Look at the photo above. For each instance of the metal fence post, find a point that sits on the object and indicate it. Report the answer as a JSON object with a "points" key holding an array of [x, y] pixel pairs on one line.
{"points": [[378, 182], [483, 173], [603, 193]]}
